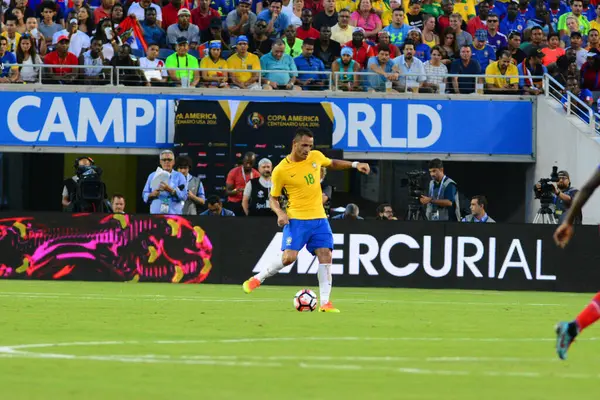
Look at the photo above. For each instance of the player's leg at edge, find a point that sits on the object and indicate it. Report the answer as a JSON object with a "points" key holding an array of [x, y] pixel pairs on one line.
{"points": [[566, 332], [325, 280], [287, 257]]}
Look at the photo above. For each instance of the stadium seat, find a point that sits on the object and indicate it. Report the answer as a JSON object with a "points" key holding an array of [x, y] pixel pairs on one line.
{"points": [[164, 53]]}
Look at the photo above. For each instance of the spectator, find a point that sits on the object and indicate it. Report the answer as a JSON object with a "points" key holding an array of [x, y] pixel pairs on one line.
{"points": [[127, 76], [465, 8], [109, 37], [581, 53], [327, 50], [213, 61], [153, 33], [449, 46], [443, 21], [496, 39], [593, 40], [349, 5], [241, 20], [276, 20], [59, 8], [328, 17], [293, 45], [307, 62], [514, 47], [38, 39], [542, 18], [532, 67], [21, 5], [379, 7], [385, 72], [215, 32], [183, 28], [572, 27], [342, 31], [8, 74], [398, 30], [11, 34], [96, 73], [286, 72], [117, 204], [366, 18], [595, 24], [347, 79], [440, 204], [236, 182], [514, 22], [152, 67], [386, 17], [104, 11], [167, 195], [85, 20], [306, 30], [326, 189], [78, 41], [429, 36], [462, 37], [215, 208], [477, 23], [170, 12], [590, 71], [414, 15], [203, 15], [585, 95], [436, 71], [495, 83], [350, 213], [181, 59], [482, 52], [27, 55], [117, 14], [139, 10], [422, 51], [537, 40], [243, 60], [384, 38], [385, 212], [465, 65], [553, 51], [17, 13], [259, 43], [361, 49], [557, 8], [61, 56], [408, 64], [296, 13], [576, 11], [256, 193], [195, 189], [478, 211], [563, 65]]}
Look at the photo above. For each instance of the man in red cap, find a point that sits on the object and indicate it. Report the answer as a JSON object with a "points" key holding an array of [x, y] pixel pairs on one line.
{"points": [[62, 57]]}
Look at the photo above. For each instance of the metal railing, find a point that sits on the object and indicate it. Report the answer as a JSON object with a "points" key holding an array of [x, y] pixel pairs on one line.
{"points": [[329, 80], [572, 104]]}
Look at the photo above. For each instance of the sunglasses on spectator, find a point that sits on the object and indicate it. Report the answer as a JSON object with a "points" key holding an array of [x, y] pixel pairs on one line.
{"points": [[492, 21]]}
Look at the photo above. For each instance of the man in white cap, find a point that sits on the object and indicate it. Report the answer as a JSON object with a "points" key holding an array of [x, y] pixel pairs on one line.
{"points": [[183, 28], [256, 193], [78, 41]]}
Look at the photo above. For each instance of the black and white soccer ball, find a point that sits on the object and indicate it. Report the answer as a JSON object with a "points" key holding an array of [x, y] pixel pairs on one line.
{"points": [[305, 300]]}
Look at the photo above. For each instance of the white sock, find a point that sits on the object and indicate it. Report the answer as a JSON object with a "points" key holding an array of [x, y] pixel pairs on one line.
{"points": [[325, 282], [271, 270]]}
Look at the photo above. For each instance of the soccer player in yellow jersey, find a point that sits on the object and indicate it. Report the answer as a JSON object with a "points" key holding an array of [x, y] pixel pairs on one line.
{"points": [[305, 223]]}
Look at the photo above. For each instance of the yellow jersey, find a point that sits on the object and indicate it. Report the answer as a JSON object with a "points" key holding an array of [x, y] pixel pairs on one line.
{"points": [[250, 63], [511, 75], [208, 63], [301, 182]]}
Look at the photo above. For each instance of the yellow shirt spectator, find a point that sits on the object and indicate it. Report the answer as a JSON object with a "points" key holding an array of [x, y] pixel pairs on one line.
{"points": [[208, 63], [250, 62], [347, 4], [494, 69], [12, 43], [466, 8]]}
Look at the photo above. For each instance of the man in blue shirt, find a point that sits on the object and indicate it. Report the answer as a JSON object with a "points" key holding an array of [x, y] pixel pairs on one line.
{"points": [[308, 62], [398, 29], [153, 34], [464, 65], [170, 195], [215, 208], [283, 69], [514, 21], [478, 211], [582, 94], [8, 74], [382, 70], [482, 52], [276, 19]]}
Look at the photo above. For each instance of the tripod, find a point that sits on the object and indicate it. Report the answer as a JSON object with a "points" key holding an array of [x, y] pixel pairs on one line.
{"points": [[415, 213], [545, 216]]}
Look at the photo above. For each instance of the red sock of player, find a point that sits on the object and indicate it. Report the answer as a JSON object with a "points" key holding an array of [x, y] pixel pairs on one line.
{"points": [[590, 314]]}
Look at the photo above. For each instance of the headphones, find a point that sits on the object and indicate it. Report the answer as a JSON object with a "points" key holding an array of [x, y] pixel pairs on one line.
{"points": [[76, 163]]}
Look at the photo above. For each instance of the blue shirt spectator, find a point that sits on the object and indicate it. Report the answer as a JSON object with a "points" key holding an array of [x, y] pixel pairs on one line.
{"points": [[7, 58], [517, 25], [310, 63], [498, 41], [482, 52], [283, 65], [376, 81], [397, 35], [416, 68], [215, 208], [154, 34], [465, 65], [168, 200], [280, 23]]}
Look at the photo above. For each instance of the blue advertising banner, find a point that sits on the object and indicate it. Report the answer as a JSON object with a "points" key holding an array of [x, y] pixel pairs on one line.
{"points": [[361, 125]]}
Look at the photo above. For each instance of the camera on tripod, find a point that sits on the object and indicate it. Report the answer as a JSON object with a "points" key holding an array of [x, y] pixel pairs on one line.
{"points": [[546, 191], [91, 191], [415, 178]]}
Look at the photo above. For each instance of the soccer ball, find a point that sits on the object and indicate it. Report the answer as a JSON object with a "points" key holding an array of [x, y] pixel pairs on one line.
{"points": [[305, 300]]}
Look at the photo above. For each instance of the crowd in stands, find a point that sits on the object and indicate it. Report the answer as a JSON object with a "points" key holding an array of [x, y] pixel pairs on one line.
{"points": [[403, 44]]}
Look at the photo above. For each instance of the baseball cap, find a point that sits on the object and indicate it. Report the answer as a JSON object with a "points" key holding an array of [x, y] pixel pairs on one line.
{"points": [[537, 52], [564, 173], [241, 39], [358, 29], [214, 44], [182, 40], [481, 35], [347, 51], [215, 23], [183, 11], [73, 21], [61, 38]]}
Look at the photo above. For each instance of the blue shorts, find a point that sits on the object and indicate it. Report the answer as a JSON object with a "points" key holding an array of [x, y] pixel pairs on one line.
{"points": [[314, 233]]}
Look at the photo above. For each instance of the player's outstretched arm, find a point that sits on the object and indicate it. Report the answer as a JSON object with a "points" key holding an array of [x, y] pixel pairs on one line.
{"points": [[342, 164]]}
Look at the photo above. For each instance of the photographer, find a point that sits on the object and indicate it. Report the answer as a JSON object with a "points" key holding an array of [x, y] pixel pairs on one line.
{"points": [[70, 185], [442, 195], [85, 191], [562, 196]]}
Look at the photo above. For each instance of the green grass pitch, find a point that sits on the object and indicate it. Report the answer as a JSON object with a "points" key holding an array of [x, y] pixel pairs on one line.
{"points": [[70, 340]]}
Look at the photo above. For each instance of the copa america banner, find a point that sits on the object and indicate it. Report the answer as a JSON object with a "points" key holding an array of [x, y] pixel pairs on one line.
{"points": [[216, 134]]}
